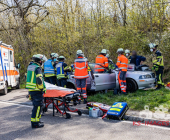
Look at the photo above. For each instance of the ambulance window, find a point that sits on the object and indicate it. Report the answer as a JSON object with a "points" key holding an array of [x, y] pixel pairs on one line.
{"points": [[11, 56]]}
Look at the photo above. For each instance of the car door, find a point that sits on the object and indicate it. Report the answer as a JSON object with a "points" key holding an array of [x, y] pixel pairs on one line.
{"points": [[105, 80]]}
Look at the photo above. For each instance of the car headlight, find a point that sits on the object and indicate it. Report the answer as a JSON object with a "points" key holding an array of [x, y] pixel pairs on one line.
{"points": [[144, 76]]}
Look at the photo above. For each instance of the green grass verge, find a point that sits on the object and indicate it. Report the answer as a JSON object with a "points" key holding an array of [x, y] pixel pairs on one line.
{"points": [[137, 100]]}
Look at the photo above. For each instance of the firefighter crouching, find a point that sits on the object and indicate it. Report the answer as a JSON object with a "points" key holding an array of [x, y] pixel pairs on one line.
{"points": [[122, 64], [158, 65], [81, 74], [35, 84]]}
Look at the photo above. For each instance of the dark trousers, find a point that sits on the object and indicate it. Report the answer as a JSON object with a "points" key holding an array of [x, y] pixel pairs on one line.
{"points": [[37, 100], [81, 87], [122, 80], [62, 82], [51, 80], [159, 74]]}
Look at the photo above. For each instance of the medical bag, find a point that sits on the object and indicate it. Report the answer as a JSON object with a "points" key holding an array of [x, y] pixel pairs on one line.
{"points": [[117, 111]]}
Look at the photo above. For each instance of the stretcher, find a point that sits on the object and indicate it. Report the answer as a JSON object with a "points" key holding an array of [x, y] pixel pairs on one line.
{"points": [[60, 98]]}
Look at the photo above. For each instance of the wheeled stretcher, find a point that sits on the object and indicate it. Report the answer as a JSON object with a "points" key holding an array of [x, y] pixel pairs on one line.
{"points": [[60, 98]]}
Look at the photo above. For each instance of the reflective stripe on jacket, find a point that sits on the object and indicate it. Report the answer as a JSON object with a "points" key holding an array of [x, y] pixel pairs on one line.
{"points": [[81, 68], [122, 63], [48, 68], [101, 60], [158, 62], [60, 70], [31, 82]]}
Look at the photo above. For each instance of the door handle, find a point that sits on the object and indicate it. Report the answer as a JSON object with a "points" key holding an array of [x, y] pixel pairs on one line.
{"points": [[96, 75]]}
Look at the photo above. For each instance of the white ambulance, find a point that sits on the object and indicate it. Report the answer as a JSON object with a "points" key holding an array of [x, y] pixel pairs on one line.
{"points": [[9, 72]]}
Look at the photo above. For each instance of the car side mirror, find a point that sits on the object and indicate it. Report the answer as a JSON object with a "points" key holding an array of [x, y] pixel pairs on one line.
{"points": [[18, 66]]}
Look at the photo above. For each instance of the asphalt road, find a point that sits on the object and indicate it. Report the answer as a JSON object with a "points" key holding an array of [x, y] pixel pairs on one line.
{"points": [[15, 125]]}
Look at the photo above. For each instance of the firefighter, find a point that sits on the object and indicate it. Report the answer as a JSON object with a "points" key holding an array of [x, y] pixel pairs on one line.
{"points": [[122, 64], [49, 69], [102, 62], [36, 86], [81, 74], [110, 62], [127, 53], [62, 69], [158, 65]]}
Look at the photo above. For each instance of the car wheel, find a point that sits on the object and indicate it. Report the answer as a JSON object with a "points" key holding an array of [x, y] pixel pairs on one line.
{"points": [[18, 85], [5, 90], [131, 85]]}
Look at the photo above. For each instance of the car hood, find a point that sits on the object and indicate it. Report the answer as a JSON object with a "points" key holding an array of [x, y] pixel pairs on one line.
{"points": [[139, 72]]}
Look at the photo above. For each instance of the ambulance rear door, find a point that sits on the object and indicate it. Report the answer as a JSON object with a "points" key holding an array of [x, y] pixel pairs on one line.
{"points": [[11, 68]]}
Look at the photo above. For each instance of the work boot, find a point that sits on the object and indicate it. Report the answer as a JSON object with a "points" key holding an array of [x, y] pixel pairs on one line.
{"points": [[37, 124], [159, 87], [124, 93], [85, 101]]}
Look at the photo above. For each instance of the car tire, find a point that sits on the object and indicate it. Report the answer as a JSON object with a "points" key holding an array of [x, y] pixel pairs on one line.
{"points": [[131, 85], [5, 90], [18, 85]]}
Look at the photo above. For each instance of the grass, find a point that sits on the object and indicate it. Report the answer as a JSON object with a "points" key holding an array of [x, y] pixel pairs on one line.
{"points": [[137, 100]]}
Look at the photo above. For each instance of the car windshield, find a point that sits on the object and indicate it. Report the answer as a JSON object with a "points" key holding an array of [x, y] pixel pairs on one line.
{"points": [[96, 68]]}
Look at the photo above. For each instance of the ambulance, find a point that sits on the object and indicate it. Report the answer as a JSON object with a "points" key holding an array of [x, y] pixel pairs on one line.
{"points": [[9, 72]]}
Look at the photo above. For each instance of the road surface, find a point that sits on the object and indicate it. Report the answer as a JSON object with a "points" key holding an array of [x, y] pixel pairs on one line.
{"points": [[15, 125]]}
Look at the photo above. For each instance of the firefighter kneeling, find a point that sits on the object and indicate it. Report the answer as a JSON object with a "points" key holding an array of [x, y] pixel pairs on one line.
{"points": [[81, 74], [122, 63], [36, 86]]}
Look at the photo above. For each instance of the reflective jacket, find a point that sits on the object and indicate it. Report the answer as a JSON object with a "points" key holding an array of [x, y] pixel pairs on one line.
{"points": [[122, 63], [101, 60], [158, 62], [35, 81], [49, 68], [60, 70], [81, 68]]}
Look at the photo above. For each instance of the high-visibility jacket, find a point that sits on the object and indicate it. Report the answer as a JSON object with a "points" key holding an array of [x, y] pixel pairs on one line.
{"points": [[81, 68], [35, 81], [60, 70], [101, 60], [122, 63], [49, 68], [158, 62]]}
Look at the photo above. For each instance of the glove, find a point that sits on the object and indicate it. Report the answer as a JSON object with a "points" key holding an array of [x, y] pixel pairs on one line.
{"points": [[30, 97], [153, 68], [44, 91], [156, 69]]}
